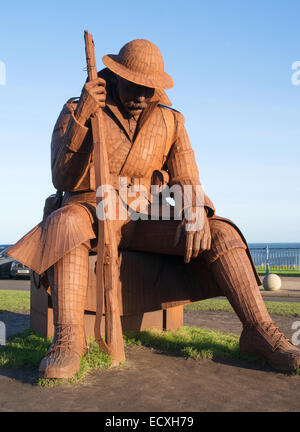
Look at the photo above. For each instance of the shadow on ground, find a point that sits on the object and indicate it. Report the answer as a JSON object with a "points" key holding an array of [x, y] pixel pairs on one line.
{"points": [[14, 322]]}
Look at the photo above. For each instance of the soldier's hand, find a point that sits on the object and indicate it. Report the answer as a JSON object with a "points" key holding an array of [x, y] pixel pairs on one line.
{"points": [[97, 93], [198, 236], [93, 97]]}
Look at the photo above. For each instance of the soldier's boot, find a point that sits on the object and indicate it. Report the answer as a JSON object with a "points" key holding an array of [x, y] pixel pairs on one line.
{"points": [[68, 280], [233, 273]]}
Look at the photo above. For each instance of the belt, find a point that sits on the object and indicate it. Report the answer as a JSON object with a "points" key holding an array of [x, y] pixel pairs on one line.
{"points": [[89, 196], [115, 180], [123, 181]]}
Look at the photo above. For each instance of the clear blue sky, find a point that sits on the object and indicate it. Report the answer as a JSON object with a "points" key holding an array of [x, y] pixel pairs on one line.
{"points": [[231, 64]]}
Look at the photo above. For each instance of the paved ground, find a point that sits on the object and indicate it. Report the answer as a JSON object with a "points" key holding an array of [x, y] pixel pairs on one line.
{"points": [[155, 381]]}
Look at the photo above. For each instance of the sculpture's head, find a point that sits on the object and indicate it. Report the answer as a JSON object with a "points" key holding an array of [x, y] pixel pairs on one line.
{"points": [[139, 68]]}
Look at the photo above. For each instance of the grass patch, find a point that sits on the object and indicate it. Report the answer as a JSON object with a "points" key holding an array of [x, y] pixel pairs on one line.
{"points": [[195, 343], [291, 309], [280, 272], [14, 301], [192, 342], [24, 350], [27, 350]]}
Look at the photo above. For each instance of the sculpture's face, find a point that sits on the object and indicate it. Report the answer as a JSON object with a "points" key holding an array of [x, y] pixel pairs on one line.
{"points": [[134, 97]]}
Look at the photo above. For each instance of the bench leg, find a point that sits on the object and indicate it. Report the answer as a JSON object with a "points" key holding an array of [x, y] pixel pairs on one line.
{"points": [[41, 314], [172, 318]]}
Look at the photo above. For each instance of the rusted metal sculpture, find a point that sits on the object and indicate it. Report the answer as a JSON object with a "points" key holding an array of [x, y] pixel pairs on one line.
{"points": [[146, 143], [107, 250]]}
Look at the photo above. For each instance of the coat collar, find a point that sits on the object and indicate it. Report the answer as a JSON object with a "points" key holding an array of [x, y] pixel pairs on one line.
{"points": [[115, 107], [112, 106]]}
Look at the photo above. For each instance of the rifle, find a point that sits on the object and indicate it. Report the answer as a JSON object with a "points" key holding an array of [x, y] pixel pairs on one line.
{"points": [[107, 268]]}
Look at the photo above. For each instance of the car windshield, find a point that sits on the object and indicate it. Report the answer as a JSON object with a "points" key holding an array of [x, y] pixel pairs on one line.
{"points": [[3, 253], [2, 247]]}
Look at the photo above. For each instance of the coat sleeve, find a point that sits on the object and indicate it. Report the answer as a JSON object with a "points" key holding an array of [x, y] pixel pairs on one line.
{"points": [[183, 170], [71, 148]]}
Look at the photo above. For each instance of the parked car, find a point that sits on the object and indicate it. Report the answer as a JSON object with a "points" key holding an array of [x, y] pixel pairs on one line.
{"points": [[5, 262], [19, 270], [9, 268], [2, 247]]}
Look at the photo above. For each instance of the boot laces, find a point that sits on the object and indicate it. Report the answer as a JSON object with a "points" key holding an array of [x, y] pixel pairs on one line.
{"points": [[273, 331], [63, 337]]}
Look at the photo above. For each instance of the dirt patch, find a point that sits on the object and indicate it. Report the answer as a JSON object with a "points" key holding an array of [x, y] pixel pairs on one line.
{"points": [[155, 381], [152, 381]]}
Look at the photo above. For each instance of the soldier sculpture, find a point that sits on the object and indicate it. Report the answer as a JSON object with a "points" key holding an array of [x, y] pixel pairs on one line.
{"points": [[145, 140]]}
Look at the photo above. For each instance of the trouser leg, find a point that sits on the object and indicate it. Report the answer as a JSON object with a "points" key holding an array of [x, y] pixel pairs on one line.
{"points": [[68, 280], [232, 271], [233, 274]]}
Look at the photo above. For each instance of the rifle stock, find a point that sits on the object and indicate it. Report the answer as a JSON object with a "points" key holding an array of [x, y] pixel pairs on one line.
{"points": [[107, 270]]}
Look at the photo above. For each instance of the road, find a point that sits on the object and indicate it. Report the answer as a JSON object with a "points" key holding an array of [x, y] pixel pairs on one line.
{"points": [[15, 284]]}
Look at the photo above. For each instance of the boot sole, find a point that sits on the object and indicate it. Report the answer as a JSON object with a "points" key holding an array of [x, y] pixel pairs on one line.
{"points": [[56, 374]]}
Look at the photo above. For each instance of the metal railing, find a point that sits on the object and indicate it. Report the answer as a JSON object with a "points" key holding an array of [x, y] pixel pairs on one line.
{"points": [[276, 259]]}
